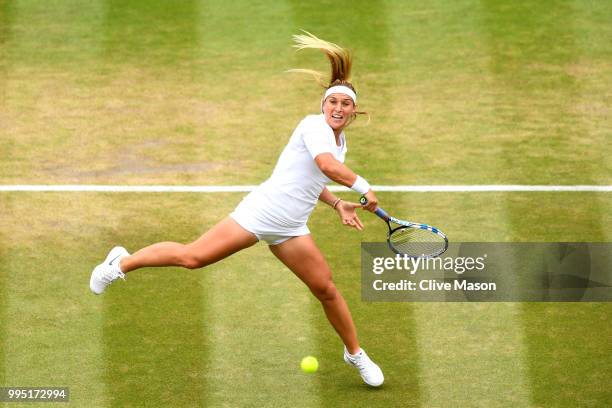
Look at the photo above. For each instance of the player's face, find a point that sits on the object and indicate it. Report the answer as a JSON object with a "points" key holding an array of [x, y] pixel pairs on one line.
{"points": [[338, 110]]}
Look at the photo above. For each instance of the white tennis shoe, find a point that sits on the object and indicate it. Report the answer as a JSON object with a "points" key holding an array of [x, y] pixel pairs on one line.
{"points": [[369, 371], [108, 271]]}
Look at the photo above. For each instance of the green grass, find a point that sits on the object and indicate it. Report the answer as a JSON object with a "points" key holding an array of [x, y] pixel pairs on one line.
{"points": [[233, 334], [470, 92], [195, 93]]}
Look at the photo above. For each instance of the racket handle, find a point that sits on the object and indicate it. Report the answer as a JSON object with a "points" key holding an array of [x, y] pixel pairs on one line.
{"points": [[379, 211], [382, 214]]}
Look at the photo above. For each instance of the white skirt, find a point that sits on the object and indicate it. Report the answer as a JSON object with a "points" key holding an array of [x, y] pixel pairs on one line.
{"points": [[249, 216]]}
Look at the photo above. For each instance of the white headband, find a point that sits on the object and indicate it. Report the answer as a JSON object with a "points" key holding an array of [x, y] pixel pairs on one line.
{"points": [[343, 90]]}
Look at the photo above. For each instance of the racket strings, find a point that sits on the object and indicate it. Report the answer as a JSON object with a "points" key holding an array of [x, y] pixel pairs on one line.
{"points": [[417, 242]]}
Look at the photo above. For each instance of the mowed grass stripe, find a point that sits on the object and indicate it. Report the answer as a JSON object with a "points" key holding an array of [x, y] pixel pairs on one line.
{"points": [[259, 327], [473, 354], [594, 79], [567, 353], [259, 323], [52, 324], [467, 356], [561, 74], [504, 30], [386, 332], [5, 203], [53, 332], [155, 347]]}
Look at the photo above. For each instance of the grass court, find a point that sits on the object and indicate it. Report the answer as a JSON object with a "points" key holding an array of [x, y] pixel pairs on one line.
{"points": [[196, 93]]}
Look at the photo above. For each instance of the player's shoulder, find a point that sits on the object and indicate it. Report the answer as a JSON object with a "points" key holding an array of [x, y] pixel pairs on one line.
{"points": [[314, 123]]}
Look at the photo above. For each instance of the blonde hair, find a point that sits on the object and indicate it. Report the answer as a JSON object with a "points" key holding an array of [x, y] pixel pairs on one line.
{"points": [[340, 58]]}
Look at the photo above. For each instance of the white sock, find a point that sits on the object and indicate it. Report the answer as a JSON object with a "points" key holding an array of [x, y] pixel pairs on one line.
{"points": [[356, 354]]}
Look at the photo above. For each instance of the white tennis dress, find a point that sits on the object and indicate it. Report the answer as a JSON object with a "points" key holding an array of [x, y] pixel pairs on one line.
{"points": [[278, 209]]}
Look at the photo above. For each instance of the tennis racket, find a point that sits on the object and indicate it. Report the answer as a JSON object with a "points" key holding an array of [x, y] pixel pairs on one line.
{"points": [[410, 238]]}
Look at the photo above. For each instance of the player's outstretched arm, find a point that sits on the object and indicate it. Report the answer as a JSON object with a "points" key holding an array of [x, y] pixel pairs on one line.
{"points": [[341, 174], [335, 170]]}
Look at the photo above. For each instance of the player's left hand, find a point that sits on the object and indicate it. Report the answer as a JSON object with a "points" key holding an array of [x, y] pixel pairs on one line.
{"points": [[348, 215]]}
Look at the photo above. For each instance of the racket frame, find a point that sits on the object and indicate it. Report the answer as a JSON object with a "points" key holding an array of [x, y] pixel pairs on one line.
{"points": [[407, 224]]}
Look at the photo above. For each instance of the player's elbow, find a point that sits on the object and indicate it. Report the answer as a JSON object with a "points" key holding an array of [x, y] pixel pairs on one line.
{"points": [[328, 166]]}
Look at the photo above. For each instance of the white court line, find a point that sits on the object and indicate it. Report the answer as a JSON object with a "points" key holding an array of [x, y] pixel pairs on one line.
{"points": [[247, 188]]}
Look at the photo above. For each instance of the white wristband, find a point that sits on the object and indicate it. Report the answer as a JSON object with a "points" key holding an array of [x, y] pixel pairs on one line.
{"points": [[361, 186]]}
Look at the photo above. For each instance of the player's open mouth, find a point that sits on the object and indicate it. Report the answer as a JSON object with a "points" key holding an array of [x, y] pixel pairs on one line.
{"points": [[336, 116]]}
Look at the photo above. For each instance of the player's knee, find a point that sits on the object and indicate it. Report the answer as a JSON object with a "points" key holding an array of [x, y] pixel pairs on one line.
{"points": [[190, 260], [326, 291], [192, 263]]}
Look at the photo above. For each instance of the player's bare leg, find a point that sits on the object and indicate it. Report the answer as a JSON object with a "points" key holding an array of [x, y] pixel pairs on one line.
{"points": [[303, 257], [222, 240]]}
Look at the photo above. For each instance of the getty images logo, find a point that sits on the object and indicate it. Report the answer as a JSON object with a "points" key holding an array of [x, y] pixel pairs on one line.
{"points": [[458, 265]]}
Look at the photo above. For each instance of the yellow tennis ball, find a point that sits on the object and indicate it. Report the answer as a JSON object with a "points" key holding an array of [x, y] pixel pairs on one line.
{"points": [[309, 364]]}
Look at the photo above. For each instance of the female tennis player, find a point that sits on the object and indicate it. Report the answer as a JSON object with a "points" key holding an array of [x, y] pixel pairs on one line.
{"points": [[277, 211]]}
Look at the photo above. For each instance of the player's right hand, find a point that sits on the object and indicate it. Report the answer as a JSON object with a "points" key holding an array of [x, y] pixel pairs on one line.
{"points": [[372, 203]]}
